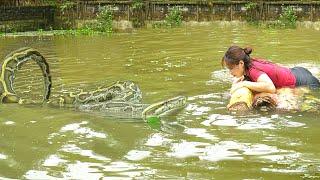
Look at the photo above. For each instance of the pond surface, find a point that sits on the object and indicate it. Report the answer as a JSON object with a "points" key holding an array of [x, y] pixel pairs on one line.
{"points": [[202, 141]]}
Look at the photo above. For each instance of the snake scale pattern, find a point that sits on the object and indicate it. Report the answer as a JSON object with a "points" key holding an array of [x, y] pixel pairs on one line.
{"points": [[121, 99]]}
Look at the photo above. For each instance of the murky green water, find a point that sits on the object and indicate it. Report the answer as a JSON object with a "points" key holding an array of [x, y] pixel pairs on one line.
{"points": [[203, 141]]}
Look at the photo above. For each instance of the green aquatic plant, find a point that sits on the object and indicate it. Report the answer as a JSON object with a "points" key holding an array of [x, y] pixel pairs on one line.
{"points": [[288, 17], [174, 17], [104, 20], [158, 24], [40, 32], [154, 122], [86, 30]]}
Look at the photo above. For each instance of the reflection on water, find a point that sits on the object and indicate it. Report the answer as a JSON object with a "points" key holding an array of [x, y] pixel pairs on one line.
{"points": [[202, 141]]}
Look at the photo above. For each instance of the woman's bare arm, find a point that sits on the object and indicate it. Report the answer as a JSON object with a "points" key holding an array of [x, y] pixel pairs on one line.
{"points": [[263, 84]]}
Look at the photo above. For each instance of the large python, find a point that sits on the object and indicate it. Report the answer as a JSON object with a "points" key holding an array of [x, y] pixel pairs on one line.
{"points": [[12, 63], [121, 99]]}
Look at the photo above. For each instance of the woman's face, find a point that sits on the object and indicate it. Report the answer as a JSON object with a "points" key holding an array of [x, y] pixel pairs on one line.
{"points": [[237, 70]]}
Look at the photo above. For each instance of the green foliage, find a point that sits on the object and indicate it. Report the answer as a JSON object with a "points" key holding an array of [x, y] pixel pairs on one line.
{"points": [[174, 18], [104, 20], [103, 24], [137, 10], [137, 4], [2, 33], [86, 30], [288, 18], [50, 2], [154, 122], [66, 5], [250, 6], [250, 16], [40, 32], [137, 22]]}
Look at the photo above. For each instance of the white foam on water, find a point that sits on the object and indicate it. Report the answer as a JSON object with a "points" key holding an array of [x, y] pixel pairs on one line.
{"points": [[93, 170], [225, 150], [77, 129], [292, 124], [35, 174], [258, 123], [205, 96], [120, 166], [136, 155], [200, 132], [200, 111], [116, 178], [53, 160], [126, 169], [285, 171], [9, 123], [157, 139], [197, 110], [225, 122], [221, 76], [229, 150], [250, 123], [3, 156], [220, 120], [83, 170], [187, 149], [260, 149], [72, 127], [72, 148], [283, 158]]}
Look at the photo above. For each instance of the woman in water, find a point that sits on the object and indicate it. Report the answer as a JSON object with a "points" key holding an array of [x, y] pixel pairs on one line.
{"points": [[261, 75]]}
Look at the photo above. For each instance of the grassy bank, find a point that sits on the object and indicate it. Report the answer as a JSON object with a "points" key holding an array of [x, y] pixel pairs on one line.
{"points": [[150, 25]]}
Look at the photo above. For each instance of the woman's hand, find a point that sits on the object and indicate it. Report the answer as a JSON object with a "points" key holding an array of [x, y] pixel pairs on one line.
{"points": [[237, 85], [238, 80]]}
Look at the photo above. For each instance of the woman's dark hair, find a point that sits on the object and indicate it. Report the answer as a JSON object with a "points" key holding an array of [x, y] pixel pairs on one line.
{"points": [[235, 54]]}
